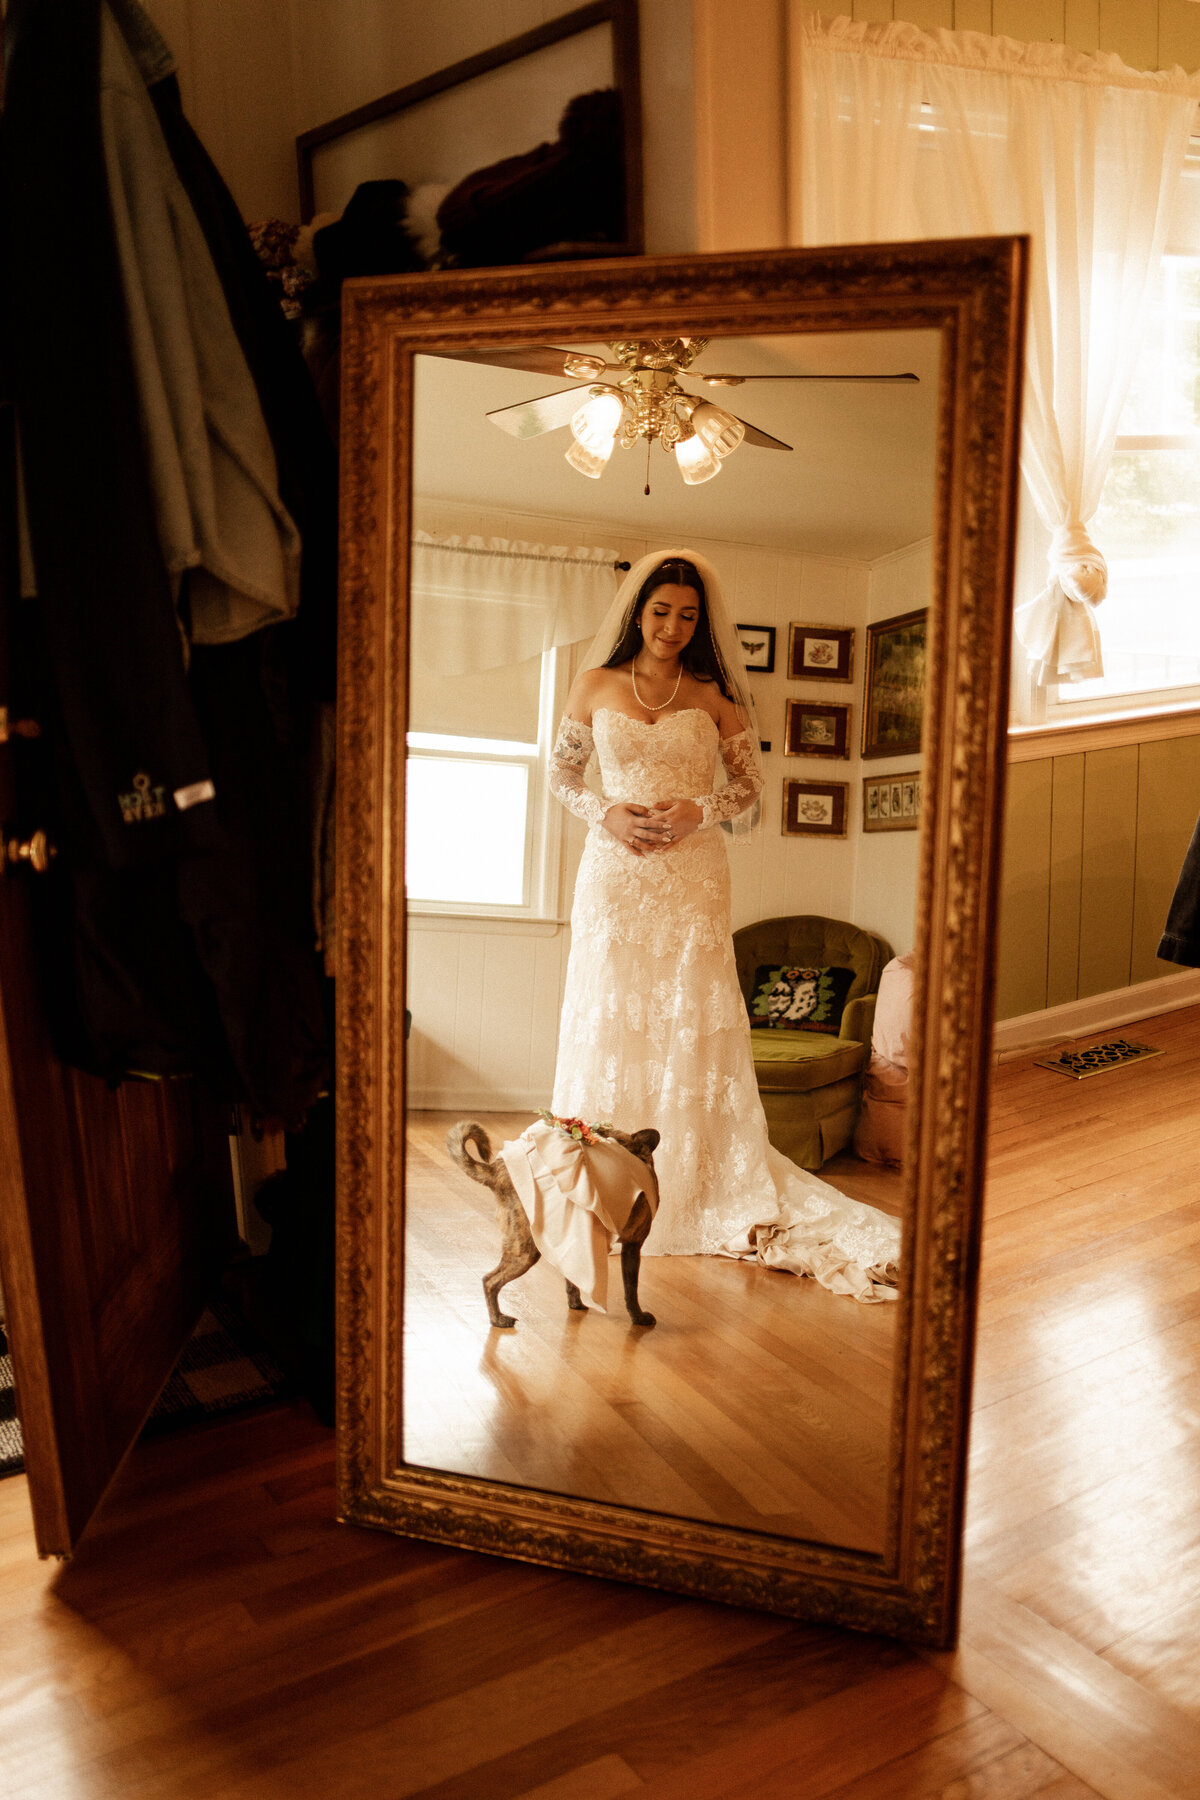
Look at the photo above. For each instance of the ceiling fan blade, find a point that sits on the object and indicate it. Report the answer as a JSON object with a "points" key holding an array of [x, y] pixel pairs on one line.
{"points": [[535, 359], [763, 439], [875, 380], [530, 418]]}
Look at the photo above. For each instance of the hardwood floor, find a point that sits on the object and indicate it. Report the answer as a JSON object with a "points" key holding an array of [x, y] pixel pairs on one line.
{"points": [[759, 1399], [220, 1637]]}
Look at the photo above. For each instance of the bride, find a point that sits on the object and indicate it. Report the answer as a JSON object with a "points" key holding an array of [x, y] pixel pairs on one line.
{"points": [[654, 1029]]}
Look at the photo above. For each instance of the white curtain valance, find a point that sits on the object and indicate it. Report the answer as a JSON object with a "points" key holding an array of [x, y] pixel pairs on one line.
{"points": [[487, 603], [903, 133], [906, 42]]}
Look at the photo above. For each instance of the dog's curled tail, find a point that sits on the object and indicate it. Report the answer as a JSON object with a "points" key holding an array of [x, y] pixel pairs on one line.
{"points": [[470, 1147]]}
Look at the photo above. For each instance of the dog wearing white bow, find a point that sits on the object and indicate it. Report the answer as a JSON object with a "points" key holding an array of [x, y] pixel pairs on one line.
{"points": [[469, 1146]]}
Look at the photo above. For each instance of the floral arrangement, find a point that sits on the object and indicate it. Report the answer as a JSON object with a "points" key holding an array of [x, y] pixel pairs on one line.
{"points": [[579, 1129]]}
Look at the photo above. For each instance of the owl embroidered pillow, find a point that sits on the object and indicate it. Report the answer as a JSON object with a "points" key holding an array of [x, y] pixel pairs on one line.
{"points": [[800, 999]]}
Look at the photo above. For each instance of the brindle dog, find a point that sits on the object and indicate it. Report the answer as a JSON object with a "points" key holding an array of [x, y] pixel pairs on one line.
{"points": [[468, 1145]]}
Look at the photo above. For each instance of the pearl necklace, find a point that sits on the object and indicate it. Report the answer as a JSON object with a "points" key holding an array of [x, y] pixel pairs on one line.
{"points": [[646, 707]]}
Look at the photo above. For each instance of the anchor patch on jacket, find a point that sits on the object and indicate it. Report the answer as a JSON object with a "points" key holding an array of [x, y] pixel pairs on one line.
{"points": [[145, 802]]}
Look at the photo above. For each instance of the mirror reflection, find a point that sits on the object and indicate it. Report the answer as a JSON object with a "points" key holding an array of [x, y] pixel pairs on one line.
{"points": [[664, 788]]}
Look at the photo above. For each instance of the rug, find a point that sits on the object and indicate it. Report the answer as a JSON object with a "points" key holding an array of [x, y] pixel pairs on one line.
{"points": [[224, 1366]]}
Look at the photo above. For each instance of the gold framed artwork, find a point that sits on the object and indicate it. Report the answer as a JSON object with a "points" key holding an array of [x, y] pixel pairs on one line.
{"points": [[814, 808], [820, 653], [877, 1544], [894, 688], [892, 802], [814, 728]]}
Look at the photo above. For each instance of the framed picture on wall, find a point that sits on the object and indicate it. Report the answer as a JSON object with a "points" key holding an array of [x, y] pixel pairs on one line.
{"points": [[814, 808], [892, 802], [758, 648], [814, 728], [544, 130], [894, 688], [820, 653]]}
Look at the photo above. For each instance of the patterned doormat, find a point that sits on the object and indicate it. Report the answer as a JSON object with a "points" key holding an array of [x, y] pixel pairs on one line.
{"points": [[224, 1366]]}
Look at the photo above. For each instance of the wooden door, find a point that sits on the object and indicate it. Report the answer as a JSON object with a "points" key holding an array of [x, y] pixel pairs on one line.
{"points": [[116, 1207]]}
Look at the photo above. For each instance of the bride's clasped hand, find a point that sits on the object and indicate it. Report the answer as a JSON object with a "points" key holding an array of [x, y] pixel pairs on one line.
{"points": [[645, 829]]}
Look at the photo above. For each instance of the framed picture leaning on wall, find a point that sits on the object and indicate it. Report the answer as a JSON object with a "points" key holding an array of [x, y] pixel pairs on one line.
{"points": [[530, 145]]}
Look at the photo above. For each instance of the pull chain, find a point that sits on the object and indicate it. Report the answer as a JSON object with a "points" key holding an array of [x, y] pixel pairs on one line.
{"points": [[647, 488]]}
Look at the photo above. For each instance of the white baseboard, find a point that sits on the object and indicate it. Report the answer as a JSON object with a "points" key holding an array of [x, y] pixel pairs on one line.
{"points": [[1099, 1012], [465, 1102]]}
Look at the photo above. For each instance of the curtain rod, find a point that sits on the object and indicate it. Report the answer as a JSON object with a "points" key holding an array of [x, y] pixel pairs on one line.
{"points": [[516, 555]]}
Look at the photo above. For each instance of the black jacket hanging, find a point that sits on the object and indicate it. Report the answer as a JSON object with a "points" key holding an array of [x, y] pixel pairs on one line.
{"points": [[109, 619], [182, 934], [1181, 938]]}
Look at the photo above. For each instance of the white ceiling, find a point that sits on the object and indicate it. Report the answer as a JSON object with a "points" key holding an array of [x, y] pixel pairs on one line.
{"points": [[858, 482]]}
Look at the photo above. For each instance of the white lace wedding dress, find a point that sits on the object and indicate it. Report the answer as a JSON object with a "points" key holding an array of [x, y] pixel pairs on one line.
{"points": [[654, 1027]]}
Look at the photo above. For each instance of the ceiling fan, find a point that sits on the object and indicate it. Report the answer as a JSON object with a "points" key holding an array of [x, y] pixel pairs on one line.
{"points": [[638, 396]]}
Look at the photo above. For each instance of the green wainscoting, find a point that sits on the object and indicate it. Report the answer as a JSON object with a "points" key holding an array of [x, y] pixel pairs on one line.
{"points": [[1093, 846]]}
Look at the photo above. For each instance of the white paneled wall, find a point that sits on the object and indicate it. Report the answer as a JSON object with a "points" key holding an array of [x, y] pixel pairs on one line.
{"points": [[485, 994]]}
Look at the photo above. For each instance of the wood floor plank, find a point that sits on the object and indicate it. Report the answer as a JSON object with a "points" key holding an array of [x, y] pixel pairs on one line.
{"points": [[604, 1779], [219, 1637], [798, 1444]]}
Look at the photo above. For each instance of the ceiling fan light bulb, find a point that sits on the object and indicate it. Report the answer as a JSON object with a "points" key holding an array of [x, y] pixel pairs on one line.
{"points": [[596, 421], [696, 461], [591, 459], [720, 430]]}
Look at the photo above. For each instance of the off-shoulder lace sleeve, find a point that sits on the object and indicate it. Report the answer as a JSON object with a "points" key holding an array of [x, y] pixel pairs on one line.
{"points": [[744, 784], [568, 760]]}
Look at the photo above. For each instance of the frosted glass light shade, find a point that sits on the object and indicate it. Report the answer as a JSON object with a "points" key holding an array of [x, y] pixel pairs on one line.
{"points": [[596, 421], [720, 430], [696, 461], [591, 458]]}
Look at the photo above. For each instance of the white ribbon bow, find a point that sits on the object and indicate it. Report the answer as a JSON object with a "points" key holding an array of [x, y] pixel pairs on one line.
{"points": [[1057, 629]]}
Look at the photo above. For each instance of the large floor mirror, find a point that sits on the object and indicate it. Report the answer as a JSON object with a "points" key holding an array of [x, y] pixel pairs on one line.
{"points": [[777, 1416]]}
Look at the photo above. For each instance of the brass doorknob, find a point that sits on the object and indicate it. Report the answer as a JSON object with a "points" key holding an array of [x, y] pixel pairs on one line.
{"points": [[37, 851]]}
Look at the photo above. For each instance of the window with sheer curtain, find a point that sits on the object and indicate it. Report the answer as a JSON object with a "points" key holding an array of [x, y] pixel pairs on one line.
{"points": [[1149, 518], [492, 621], [902, 133]]}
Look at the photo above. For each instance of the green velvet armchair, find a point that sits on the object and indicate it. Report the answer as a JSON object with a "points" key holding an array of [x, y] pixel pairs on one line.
{"points": [[811, 1082]]}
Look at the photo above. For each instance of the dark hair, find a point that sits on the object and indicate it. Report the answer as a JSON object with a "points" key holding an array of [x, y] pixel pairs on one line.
{"points": [[699, 656]]}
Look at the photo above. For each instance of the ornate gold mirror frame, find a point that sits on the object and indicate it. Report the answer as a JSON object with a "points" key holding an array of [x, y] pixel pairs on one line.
{"points": [[973, 293]]}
